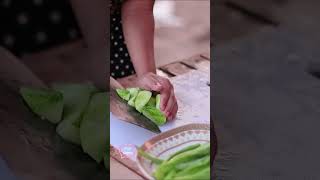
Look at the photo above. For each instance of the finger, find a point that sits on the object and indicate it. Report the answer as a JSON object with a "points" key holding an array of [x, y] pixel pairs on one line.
{"points": [[170, 104], [174, 112], [164, 97]]}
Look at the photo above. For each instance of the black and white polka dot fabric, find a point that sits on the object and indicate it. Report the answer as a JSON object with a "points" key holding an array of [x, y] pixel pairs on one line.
{"points": [[120, 61], [33, 25]]}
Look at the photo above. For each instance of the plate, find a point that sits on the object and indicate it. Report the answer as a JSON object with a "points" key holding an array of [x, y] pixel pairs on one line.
{"points": [[164, 144]]}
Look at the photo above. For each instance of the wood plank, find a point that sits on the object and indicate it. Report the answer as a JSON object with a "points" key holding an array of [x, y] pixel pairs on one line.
{"points": [[119, 171], [198, 62], [162, 73], [206, 55], [175, 69]]}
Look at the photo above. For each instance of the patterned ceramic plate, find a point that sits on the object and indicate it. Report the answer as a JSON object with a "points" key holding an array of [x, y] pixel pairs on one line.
{"points": [[169, 142]]}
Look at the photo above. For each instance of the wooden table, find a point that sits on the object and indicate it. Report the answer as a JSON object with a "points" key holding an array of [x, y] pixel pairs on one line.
{"points": [[178, 71]]}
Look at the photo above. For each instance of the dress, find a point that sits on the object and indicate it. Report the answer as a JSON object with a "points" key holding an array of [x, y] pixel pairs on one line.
{"points": [[29, 26], [120, 61]]}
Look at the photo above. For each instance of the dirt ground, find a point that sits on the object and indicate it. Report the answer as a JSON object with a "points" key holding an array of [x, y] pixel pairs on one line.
{"points": [[174, 43]]}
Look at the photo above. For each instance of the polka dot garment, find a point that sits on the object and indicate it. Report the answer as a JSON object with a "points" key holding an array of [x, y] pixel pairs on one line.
{"points": [[34, 25], [120, 62]]}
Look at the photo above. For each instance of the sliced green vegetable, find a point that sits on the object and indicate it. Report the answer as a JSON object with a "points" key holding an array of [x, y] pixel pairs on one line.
{"points": [[142, 99], [133, 94], [158, 101], [95, 126], [48, 104], [124, 94], [152, 102], [188, 148], [170, 175], [76, 99], [154, 115], [149, 157], [202, 174], [195, 165]]}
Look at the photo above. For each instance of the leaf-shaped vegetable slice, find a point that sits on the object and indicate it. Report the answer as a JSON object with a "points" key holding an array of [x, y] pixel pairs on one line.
{"points": [[76, 99], [94, 128], [48, 104], [133, 94], [154, 115], [142, 99], [124, 94]]}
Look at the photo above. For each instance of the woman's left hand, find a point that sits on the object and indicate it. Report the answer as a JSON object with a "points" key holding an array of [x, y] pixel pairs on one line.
{"points": [[168, 101]]}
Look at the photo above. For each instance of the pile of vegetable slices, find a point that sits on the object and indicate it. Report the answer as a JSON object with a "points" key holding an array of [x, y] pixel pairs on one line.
{"points": [[80, 111], [190, 163], [144, 102]]}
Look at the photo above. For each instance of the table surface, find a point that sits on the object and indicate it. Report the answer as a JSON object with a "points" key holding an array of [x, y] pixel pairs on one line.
{"points": [[181, 73]]}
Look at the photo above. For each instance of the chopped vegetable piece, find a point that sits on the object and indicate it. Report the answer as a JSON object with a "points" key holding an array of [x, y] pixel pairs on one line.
{"points": [[95, 126], [142, 99], [124, 94], [154, 115], [48, 104]]}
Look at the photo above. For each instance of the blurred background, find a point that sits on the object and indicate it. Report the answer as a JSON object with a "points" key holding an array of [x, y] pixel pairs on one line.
{"points": [[182, 29]]}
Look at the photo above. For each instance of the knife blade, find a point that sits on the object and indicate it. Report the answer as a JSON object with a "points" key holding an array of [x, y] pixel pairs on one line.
{"points": [[124, 112]]}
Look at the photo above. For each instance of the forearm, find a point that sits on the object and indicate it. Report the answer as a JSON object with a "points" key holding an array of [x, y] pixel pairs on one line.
{"points": [[138, 29], [92, 17]]}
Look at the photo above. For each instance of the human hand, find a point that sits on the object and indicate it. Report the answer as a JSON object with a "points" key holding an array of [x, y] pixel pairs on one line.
{"points": [[168, 101]]}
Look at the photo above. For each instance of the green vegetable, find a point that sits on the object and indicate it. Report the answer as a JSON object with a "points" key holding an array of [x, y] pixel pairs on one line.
{"points": [[188, 148], [170, 175], [94, 127], [154, 115], [142, 99], [158, 101], [202, 174], [124, 94], [82, 111], [151, 102], [191, 163], [147, 156], [133, 94], [194, 166], [166, 166], [48, 104], [76, 99]]}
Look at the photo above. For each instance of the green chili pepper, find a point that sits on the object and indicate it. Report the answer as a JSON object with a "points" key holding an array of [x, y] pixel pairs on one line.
{"points": [[148, 156], [188, 148], [201, 151]]}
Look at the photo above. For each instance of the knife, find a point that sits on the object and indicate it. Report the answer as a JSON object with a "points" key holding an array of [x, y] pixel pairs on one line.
{"points": [[123, 111]]}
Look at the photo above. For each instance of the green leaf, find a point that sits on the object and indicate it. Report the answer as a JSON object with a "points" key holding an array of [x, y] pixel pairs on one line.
{"points": [[76, 99], [142, 99], [133, 94], [47, 104], [94, 128], [152, 102], [124, 94], [154, 115]]}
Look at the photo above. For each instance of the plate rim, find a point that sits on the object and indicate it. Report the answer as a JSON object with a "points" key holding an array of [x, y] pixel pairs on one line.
{"points": [[151, 142]]}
